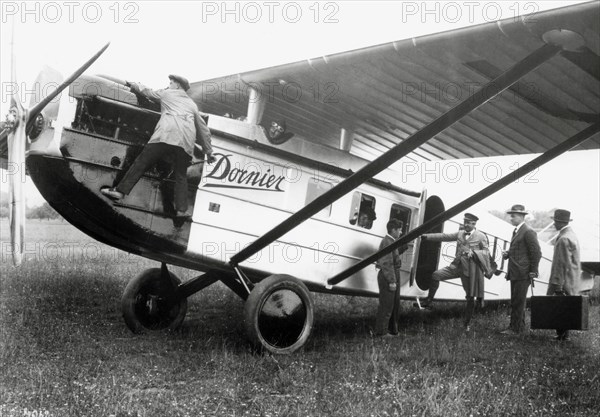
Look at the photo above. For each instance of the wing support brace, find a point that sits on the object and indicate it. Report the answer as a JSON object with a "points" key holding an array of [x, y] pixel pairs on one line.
{"points": [[486, 93], [475, 198]]}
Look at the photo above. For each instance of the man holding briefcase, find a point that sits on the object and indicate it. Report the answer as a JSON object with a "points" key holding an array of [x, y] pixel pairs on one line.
{"points": [[565, 274]]}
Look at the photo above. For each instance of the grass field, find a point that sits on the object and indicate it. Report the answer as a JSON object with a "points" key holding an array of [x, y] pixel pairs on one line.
{"points": [[65, 351]]}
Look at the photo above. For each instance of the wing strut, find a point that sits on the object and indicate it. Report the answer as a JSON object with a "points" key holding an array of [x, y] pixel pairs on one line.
{"points": [[475, 198], [487, 92]]}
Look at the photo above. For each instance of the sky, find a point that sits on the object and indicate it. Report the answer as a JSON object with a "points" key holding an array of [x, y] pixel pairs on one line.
{"points": [[202, 40]]}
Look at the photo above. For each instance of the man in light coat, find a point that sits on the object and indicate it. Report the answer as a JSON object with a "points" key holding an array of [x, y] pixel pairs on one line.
{"points": [[523, 257], [469, 240], [388, 281], [565, 274], [179, 127]]}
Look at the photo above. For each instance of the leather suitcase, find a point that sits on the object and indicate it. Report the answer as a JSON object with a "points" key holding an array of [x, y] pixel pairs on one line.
{"points": [[569, 312]]}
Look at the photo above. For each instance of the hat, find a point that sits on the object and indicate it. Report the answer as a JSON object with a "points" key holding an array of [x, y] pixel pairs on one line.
{"points": [[517, 209], [561, 215], [184, 83], [471, 217]]}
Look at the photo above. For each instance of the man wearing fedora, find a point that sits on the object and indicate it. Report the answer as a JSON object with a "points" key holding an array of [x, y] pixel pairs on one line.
{"points": [[179, 128], [523, 257], [566, 270], [470, 243]]}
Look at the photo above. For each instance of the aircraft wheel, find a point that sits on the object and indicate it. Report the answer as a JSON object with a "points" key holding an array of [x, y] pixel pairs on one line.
{"points": [[144, 305], [278, 314]]}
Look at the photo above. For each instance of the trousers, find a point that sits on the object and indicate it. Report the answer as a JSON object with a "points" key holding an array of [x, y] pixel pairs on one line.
{"points": [[388, 312], [518, 299], [554, 289], [149, 156]]}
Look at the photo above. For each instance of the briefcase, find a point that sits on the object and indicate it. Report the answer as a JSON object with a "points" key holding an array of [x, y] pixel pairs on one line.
{"points": [[568, 312]]}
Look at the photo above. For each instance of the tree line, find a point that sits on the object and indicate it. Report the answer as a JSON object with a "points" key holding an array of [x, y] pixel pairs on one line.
{"points": [[44, 212]]}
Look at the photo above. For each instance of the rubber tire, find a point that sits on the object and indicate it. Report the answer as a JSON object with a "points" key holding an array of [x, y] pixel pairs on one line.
{"points": [[149, 280], [261, 292]]}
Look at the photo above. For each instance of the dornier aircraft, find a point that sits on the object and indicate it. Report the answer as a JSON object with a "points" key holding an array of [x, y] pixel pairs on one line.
{"points": [[276, 217]]}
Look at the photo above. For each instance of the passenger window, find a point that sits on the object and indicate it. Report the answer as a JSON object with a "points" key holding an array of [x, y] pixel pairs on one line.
{"points": [[362, 211], [315, 188], [402, 214]]}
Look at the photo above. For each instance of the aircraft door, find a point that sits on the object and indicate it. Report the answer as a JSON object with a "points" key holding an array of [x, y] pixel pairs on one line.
{"points": [[429, 252], [417, 242]]}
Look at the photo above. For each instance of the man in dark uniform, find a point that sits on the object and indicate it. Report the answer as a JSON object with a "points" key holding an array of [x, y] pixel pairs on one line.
{"points": [[388, 280], [469, 241], [523, 257]]}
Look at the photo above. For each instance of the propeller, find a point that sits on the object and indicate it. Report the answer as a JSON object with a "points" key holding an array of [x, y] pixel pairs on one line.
{"points": [[20, 122]]}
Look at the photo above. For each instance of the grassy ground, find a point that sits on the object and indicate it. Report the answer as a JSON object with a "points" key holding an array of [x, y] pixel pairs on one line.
{"points": [[64, 351]]}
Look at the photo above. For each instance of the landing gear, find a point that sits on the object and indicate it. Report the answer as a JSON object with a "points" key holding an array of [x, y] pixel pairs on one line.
{"points": [[149, 302], [278, 314]]}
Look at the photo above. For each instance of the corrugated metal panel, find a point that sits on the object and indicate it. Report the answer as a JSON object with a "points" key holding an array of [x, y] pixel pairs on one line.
{"points": [[387, 92]]}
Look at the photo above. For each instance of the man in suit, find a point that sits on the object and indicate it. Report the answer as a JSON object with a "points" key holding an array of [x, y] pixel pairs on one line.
{"points": [[469, 241], [523, 257], [388, 280], [565, 274]]}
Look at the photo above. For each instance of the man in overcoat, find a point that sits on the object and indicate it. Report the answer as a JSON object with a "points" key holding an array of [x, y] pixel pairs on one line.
{"points": [[470, 243], [565, 274], [523, 256], [179, 127]]}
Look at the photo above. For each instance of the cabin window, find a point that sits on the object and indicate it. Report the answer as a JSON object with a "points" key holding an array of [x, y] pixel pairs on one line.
{"points": [[315, 188], [362, 211], [402, 214]]}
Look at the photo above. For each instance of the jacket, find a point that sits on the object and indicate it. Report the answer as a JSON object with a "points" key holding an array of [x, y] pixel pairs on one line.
{"points": [[180, 122], [566, 269], [471, 273], [389, 265], [524, 254]]}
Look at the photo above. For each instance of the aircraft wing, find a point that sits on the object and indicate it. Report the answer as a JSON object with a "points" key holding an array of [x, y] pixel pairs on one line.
{"points": [[383, 94]]}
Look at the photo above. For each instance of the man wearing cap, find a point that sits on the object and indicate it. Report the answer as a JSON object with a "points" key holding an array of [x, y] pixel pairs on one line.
{"points": [[566, 270], [523, 257], [179, 128], [469, 240]]}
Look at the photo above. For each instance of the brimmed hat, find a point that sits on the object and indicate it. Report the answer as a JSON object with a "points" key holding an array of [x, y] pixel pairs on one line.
{"points": [[561, 215], [183, 82], [517, 209], [471, 217]]}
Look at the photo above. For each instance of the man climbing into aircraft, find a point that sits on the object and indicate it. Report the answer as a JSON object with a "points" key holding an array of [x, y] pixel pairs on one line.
{"points": [[388, 280], [523, 257], [176, 133], [565, 274], [471, 248]]}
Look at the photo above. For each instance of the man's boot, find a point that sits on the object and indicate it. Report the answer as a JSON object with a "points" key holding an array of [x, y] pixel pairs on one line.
{"points": [[433, 287]]}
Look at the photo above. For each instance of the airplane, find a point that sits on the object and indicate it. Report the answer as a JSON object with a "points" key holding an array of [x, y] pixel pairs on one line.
{"points": [[275, 218]]}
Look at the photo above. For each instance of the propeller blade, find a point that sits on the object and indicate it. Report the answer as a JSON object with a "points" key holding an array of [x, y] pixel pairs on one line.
{"points": [[16, 144], [48, 77], [38, 108], [17, 141], [15, 100]]}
